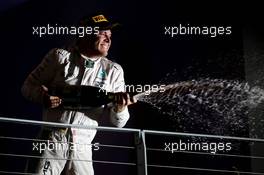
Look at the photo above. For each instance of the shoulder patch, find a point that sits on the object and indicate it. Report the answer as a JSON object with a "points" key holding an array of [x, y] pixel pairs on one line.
{"points": [[62, 55], [61, 52]]}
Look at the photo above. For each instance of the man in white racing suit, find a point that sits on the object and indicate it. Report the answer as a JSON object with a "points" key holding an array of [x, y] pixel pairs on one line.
{"points": [[85, 64]]}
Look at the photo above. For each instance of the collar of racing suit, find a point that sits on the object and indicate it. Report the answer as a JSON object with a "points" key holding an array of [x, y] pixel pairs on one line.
{"points": [[95, 59], [89, 62]]}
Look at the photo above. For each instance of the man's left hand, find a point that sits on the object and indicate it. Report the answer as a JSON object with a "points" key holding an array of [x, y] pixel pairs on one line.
{"points": [[122, 100]]}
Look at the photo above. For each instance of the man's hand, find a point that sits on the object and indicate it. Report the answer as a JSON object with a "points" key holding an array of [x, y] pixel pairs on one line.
{"points": [[122, 99], [50, 101]]}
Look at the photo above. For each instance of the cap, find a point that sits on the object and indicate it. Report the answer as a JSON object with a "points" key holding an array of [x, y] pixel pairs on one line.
{"points": [[98, 20]]}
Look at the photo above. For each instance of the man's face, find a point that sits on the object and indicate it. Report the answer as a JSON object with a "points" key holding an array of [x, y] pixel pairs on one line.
{"points": [[103, 42]]}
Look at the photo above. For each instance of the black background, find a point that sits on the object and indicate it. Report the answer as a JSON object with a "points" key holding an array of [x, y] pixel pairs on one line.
{"points": [[140, 46]]}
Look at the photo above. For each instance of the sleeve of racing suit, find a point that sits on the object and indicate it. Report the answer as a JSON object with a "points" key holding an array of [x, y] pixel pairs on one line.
{"points": [[119, 119], [41, 75]]}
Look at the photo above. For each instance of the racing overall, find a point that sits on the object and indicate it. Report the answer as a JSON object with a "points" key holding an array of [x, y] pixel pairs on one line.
{"points": [[70, 151]]}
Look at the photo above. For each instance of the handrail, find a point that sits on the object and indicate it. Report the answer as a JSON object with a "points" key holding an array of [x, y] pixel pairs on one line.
{"points": [[140, 144], [55, 124], [153, 132], [102, 128]]}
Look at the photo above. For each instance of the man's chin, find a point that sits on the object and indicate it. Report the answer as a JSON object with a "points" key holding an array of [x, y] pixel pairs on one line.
{"points": [[104, 54]]}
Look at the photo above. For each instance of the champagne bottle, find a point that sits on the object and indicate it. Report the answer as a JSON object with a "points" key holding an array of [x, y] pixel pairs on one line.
{"points": [[81, 97]]}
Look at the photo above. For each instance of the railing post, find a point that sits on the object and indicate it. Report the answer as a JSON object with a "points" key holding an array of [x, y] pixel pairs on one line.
{"points": [[141, 153]]}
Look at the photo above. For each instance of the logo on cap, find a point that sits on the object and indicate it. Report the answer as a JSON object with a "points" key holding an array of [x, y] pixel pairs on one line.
{"points": [[99, 18]]}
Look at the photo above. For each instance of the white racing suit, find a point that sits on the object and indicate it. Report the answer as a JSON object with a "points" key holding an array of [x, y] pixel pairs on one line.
{"points": [[61, 67]]}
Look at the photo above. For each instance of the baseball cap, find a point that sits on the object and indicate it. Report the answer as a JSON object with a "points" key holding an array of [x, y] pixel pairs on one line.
{"points": [[98, 20]]}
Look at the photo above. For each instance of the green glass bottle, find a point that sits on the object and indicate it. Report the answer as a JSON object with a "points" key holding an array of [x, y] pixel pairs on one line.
{"points": [[81, 97]]}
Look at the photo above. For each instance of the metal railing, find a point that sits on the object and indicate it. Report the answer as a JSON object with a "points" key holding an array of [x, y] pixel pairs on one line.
{"points": [[142, 149]]}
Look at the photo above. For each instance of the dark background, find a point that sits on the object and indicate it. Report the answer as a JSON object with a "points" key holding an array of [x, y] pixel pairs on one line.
{"points": [[140, 46]]}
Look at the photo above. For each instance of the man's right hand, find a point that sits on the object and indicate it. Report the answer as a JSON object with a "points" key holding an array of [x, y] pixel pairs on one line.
{"points": [[48, 100]]}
